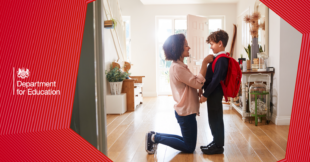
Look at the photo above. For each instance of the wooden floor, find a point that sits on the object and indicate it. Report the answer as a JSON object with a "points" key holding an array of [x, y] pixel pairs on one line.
{"points": [[243, 141]]}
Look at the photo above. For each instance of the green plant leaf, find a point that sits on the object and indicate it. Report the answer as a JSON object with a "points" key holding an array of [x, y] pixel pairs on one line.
{"points": [[249, 48], [248, 51], [116, 75]]}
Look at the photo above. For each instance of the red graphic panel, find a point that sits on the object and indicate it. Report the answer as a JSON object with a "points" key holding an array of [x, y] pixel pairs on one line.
{"points": [[40, 51]]}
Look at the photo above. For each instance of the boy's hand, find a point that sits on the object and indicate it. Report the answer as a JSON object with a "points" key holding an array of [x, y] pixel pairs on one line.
{"points": [[208, 59], [202, 99]]}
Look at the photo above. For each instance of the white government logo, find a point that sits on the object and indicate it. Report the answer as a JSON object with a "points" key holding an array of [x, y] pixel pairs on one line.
{"points": [[22, 73], [32, 88]]}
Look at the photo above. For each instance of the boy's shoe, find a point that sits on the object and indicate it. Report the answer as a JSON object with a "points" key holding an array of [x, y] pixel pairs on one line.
{"points": [[204, 147], [152, 132], [149, 144], [213, 149]]}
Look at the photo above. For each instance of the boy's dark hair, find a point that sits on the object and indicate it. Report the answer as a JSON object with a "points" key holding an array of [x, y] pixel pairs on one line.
{"points": [[174, 47], [217, 36]]}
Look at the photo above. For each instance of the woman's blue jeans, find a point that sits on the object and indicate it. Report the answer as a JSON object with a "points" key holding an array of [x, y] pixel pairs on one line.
{"points": [[187, 143]]}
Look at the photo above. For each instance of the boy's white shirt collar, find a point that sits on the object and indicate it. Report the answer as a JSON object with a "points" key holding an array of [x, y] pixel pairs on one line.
{"points": [[222, 52]]}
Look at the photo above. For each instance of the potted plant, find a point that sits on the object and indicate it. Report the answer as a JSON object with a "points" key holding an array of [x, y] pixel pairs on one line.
{"points": [[248, 51], [115, 78]]}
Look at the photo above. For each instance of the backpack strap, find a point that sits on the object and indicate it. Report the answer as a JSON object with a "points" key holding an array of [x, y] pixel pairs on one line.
{"points": [[224, 88], [219, 56]]}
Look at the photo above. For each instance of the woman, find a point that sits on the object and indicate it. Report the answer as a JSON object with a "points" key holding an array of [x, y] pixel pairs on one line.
{"points": [[184, 87]]}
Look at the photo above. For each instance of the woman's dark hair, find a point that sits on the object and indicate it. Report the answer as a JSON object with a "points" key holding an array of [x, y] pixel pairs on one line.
{"points": [[217, 36], [174, 47]]}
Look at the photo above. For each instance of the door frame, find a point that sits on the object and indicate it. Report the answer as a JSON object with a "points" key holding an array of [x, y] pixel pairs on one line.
{"points": [[101, 122]]}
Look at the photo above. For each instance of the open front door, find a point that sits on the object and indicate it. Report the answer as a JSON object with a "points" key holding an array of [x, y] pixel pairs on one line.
{"points": [[197, 33]]}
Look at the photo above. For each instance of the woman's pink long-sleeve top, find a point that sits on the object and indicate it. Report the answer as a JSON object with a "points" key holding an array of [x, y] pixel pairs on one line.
{"points": [[184, 85]]}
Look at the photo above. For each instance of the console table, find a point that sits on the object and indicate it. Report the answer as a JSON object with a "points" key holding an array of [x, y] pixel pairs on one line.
{"points": [[133, 89], [251, 76]]}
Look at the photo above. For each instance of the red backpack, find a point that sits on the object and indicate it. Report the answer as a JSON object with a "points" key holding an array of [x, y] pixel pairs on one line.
{"points": [[232, 82]]}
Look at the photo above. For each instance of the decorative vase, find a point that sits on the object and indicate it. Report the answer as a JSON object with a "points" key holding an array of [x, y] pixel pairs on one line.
{"points": [[248, 64], [254, 48], [116, 87]]}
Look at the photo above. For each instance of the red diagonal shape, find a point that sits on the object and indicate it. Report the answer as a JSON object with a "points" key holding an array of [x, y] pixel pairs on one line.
{"points": [[297, 14], [53, 145]]}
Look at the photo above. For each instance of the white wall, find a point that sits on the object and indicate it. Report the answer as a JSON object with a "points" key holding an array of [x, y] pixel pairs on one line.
{"points": [[274, 57], [284, 44], [143, 32], [289, 56]]}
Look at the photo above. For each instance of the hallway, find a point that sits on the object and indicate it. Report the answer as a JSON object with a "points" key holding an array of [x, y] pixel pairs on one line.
{"points": [[243, 141]]}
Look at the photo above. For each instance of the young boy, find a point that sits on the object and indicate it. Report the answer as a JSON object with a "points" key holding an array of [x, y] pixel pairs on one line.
{"points": [[213, 92]]}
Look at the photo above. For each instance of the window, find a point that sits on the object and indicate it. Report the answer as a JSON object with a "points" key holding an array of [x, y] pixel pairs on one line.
{"points": [[126, 20], [214, 25], [180, 26], [166, 26]]}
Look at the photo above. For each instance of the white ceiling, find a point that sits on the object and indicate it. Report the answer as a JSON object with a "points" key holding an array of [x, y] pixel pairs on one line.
{"points": [[161, 2]]}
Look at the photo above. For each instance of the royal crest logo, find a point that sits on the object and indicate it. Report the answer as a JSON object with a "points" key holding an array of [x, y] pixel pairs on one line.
{"points": [[22, 73]]}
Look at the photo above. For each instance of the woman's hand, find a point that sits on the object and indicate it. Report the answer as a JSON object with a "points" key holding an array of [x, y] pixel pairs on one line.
{"points": [[208, 59], [205, 63], [202, 99]]}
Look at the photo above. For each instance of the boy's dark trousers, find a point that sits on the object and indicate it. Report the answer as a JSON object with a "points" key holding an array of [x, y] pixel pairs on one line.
{"points": [[215, 113]]}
